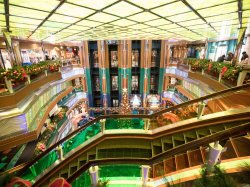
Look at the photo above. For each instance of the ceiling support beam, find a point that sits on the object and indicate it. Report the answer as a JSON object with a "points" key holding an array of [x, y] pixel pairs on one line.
{"points": [[50, 14], [240, 12], [197, 13], [7, 18]]}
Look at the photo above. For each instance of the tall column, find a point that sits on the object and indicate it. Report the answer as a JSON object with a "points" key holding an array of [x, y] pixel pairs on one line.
{"points": [[146, 52], [164, 62], [123, 53], [103, 65], [86, 79]]}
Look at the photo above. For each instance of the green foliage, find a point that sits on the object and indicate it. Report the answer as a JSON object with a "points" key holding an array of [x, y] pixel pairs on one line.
{"points": [[103, 183], [231, 73], [214, 177], [19, 72]]}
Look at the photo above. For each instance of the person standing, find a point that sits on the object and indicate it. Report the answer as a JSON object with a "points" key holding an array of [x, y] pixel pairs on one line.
{"points": [[244, 58], [221, 58]]}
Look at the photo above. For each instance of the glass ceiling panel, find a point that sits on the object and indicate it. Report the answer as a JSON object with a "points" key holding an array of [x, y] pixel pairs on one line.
{"points": [[97, 4], [50, 29], [2, 8], [2, 23], [183, 17], [63, 19], [102, 17], [171, 26], [2, 17], [88, 23], [41, 34], [73, 10], [246, 4], [192, 22], [145, 16], [24, 20], [152, 29], [225, 23], [202, 26], [171, 9], [222, 17], [55, 24], [77, 27], [150, 3], [138, 26], [20, 32], [73, 31], [246, 13], [46, 5], [123, 22], [18, 11], [123, 9], [157, 22], [206, 3], [177, 29], [20, 25], [222, 9]]}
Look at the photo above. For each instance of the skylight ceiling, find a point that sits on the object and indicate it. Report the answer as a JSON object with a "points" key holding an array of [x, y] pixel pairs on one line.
{"points": [[66, 20]]}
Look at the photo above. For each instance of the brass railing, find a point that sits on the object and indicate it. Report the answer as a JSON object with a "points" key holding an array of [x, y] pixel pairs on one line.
{"points": [[151, 116]]}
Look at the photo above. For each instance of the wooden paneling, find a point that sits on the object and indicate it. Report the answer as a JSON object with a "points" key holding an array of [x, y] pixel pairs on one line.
{"points": [[17, 140], [85, 54]]}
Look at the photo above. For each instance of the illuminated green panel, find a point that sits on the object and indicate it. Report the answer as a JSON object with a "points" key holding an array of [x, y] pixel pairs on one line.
{"points": [[47, 5], [18, 11], [171, 9], [73, 10], [55, 24], [99, 4], [63, 19], [183, 17], [25, 20], [203, 4], [20, 25], [150, 3], [102, 17], [145, 16], [2, 8], [222, 9]]}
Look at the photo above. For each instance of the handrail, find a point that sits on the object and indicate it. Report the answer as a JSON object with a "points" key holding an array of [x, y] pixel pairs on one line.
{"points": [[130, 116], [232, 132]]}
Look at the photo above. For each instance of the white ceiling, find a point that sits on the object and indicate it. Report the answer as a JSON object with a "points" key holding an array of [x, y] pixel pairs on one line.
{"points": [[122, 19]]}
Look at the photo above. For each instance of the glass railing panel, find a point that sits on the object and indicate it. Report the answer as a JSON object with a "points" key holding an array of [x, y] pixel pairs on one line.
{"points": [[120, 172], [121, 123], [225, 102], [49, 159], [42, 164], [81, 137], [82, 181]]}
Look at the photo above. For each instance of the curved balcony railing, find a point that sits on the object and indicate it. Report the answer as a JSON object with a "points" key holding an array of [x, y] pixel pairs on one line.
{"points": [[220, 136], [151, 122], [22, 89]]}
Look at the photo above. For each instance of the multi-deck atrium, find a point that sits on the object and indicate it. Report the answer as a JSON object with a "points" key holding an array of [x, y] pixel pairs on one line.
{"points": [[124, 93]]}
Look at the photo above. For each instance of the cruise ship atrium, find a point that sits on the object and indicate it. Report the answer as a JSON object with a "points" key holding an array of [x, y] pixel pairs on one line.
{"points": [[125, 93]]}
